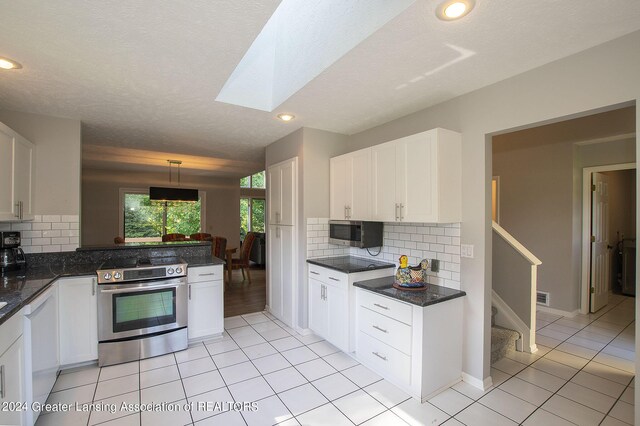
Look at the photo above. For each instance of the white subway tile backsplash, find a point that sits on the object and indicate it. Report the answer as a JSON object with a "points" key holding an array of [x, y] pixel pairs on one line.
{"points": [[41, 226], [48, 233], [416, 240], [5, 227]]}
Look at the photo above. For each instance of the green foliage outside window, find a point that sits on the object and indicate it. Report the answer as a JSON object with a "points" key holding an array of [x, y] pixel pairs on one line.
{"points": [[244, 217], [258, 180], [144, 218], [245, 182], [251, 215]]}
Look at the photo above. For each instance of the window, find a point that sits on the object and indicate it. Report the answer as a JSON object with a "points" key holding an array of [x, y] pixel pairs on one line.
{"points": [[251, 215], [253, 181], [146, 220]]}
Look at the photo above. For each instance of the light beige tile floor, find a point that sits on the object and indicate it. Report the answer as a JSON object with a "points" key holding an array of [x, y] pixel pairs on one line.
{"points": [[582, 374]]}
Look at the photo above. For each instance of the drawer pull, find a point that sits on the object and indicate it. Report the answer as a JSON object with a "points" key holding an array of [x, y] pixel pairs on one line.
{"points": [[314, 272], [384, 358], [205, 275], [334, 279], [380, 329], [381, 306]]}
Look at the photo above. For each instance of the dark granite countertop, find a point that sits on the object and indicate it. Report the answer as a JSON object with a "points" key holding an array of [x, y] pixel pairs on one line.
{"points": [[158, 244], [19, 288], [429, 296], [350, 264]]}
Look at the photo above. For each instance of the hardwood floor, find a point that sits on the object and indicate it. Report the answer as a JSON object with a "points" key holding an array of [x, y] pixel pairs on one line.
{"points": [[244, 298]]}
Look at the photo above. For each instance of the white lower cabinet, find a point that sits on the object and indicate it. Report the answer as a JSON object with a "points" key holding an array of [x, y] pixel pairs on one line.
{"points": [[331, 295], [419, 349], [206, 301], [12, 370], [78, 320]]}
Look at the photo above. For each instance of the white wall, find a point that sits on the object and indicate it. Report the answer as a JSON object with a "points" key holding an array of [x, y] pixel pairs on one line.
{"points": [[100, 203], [588, 81], [57, 165]]}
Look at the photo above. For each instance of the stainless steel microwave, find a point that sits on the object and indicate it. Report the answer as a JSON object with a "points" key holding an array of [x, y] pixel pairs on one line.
{"points": [[355, 233]]}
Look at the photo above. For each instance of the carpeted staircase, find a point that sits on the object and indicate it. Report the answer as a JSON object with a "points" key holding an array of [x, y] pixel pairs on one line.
{"points": [[503, 340]]}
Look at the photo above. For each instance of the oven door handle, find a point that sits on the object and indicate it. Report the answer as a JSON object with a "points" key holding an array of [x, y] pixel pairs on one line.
{"points": [[139, 289]]}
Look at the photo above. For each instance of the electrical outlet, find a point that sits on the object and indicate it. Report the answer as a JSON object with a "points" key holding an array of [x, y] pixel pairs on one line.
{"points": [[435, 265], [466, 250]]}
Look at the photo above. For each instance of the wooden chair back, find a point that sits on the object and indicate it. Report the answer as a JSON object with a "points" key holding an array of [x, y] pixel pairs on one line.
{"points": [[201, 236], [219, 247], [173, 237], [118, 240], [247, 244]]}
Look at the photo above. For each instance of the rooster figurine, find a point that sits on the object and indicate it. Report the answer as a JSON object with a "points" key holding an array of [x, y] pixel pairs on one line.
{"points": [[411, 276]]}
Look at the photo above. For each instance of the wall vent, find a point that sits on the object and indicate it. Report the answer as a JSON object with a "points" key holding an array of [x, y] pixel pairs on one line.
{"points": [[542, 298]]}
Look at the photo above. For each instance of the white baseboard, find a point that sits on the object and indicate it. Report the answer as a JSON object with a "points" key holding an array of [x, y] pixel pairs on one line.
{"points": [[554, 311], [303, 331], [483, 385]]}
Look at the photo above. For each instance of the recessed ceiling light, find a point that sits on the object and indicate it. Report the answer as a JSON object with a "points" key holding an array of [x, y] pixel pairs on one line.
{"points": [[286, 117], [8, 64], [454, 9]]}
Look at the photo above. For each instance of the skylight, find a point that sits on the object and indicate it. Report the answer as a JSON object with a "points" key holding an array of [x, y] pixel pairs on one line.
{"points": [[300, 40]]}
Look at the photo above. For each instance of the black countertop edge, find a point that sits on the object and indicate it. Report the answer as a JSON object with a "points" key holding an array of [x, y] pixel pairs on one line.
{"points": [[350, 264], [125, 246], [19, 288], [431, 295]]}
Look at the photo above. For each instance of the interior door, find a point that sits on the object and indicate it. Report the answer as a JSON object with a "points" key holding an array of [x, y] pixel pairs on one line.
{"points": [[289, 172], [600, 263]]}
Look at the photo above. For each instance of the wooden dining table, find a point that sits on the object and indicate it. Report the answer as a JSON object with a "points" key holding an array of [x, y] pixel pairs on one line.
{"points": [[229, 256]]}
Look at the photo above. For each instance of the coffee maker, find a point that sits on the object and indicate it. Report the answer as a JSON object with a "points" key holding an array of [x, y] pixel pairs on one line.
{"points": [[11, 255]]}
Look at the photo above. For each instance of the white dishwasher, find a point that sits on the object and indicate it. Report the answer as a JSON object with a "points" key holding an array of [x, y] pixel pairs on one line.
{"points": [[41, 348]]}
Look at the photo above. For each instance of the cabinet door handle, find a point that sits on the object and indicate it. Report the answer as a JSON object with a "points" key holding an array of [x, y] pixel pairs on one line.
{"points": [[18, 210], [189, 291], [397, 215], [322, 292], [93, 286], [277, 217], [345, 212], [384, 358], [333, 279], [380, 329], [314, 272], [349, 210], [381, 306], [401, 207], [2, 384]]}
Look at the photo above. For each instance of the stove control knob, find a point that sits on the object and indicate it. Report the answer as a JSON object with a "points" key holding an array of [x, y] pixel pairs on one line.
{"points": [[170, 271], [117, 275], [107, 276], [178, 270]]}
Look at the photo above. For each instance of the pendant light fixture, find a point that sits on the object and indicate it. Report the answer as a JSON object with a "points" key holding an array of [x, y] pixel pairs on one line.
{"points": [[159, 193]]}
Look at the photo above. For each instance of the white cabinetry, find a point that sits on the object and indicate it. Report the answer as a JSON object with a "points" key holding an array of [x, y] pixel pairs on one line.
{"points": [[12, 369], [282, 237], [416, 348], [281, 185], [206, 301], [331, 296], [350, 185], [418, 178], [16, 176], [78, 320]]}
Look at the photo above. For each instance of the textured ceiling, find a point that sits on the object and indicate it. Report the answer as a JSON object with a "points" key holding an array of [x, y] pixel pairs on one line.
{"points": [[144, 75]]}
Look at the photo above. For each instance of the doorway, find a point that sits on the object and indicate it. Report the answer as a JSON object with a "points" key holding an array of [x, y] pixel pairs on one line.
{"points": [[608, 233]]}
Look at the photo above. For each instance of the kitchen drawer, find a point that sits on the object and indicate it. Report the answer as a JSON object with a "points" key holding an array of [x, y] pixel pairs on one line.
{"points": [[385, 306], [198, 274], [337, 279], [394, 333], [383, 358], [318, 273]]}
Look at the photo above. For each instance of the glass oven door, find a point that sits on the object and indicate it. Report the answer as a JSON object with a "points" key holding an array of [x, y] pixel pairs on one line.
{"points": [[136, 309]]}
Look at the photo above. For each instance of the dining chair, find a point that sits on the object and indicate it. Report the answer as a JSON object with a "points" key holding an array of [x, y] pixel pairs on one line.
{"points": [[245, 251], [118, 240], [173, 237], [218, 247], [201, 236]]}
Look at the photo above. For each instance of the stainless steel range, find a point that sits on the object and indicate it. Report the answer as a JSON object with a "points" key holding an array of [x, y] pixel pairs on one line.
{"points": [[142, 308]]}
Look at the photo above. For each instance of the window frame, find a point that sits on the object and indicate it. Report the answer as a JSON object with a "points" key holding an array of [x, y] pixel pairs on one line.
{"points": [[251, 186], [145, 191]]}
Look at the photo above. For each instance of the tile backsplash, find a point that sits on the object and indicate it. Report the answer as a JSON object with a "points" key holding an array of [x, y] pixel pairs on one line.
{"points": [[47, 233], [416, 240]]}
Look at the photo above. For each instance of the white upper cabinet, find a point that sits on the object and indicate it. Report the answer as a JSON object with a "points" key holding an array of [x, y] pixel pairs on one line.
{"points": [[16, 176], [281, 185], [350, 186], [417, 178]]}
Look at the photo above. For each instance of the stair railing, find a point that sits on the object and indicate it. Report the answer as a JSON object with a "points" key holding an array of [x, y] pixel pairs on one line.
{"points": [[515, 281]]}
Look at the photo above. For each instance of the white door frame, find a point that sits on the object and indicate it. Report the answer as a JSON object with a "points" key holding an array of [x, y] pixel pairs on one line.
{"points": [[586, 227]]}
